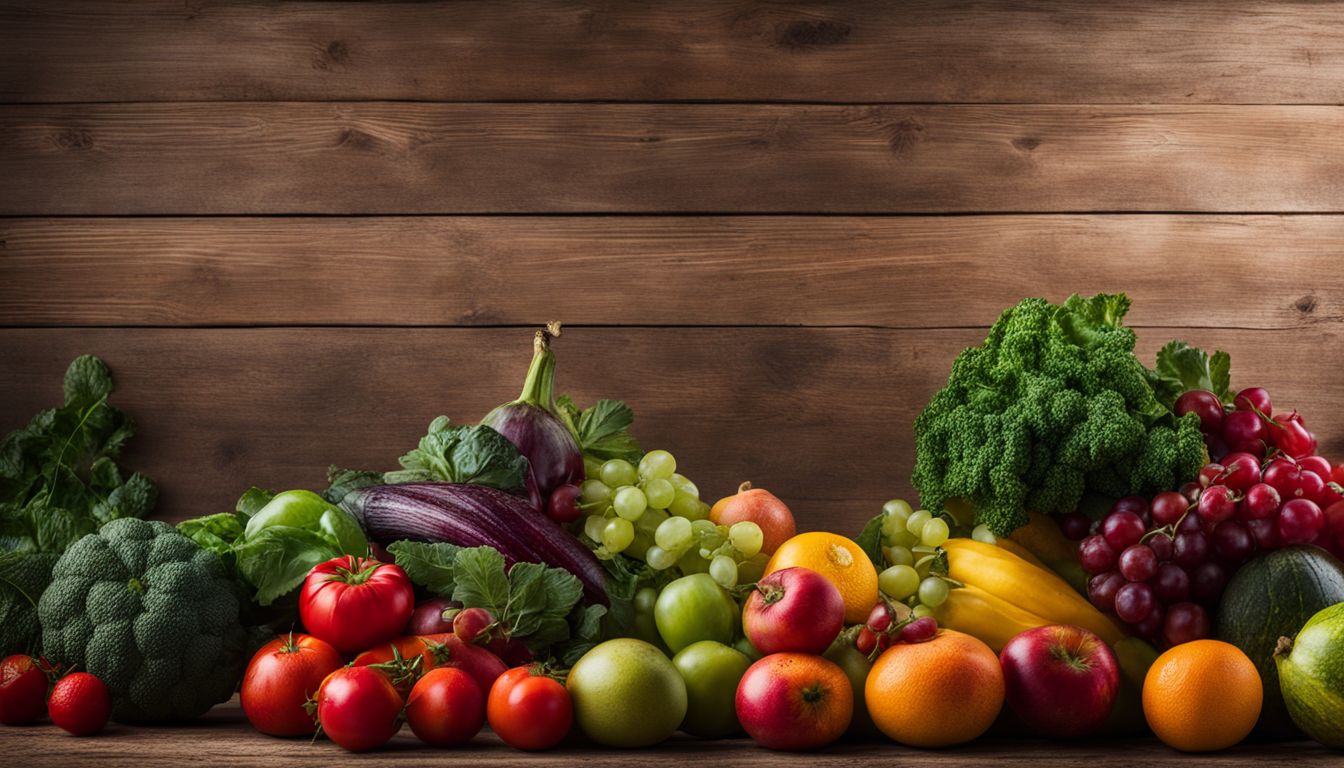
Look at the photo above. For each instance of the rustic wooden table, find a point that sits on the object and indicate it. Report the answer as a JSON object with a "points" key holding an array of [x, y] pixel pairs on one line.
{"points": [[223, 737]]}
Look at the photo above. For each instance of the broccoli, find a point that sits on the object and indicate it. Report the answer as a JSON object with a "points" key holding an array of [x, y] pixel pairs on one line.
{"points": [[1052, 409], [149, 612]]}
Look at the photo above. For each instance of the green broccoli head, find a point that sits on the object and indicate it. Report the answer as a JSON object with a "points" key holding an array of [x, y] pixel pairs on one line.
{"points": [[1052, 407], [149, 612]]}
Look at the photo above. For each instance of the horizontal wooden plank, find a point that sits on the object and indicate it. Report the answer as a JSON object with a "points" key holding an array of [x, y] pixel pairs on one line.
{"points": [[855, 51], [821, 416], [223, 737], [520, 158], [912, 272]]}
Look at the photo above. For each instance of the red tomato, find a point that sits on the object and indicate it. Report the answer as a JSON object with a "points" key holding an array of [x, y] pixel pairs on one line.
{"points": [[529, 711], [354, 603], [446, 708], [23, 690], [358, 708], [280, 680], [80, 704]]}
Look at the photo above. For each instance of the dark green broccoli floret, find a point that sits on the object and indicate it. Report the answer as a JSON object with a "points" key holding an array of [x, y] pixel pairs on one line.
{"points": [[151, 614], [1052, 408]]}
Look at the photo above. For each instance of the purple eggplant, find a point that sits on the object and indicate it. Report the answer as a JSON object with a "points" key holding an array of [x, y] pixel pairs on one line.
{"points": [[531, 424], [474, 516]]}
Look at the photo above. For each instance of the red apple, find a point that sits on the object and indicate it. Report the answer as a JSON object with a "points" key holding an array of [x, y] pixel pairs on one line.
{"points": [[794, 610], [1061, 681], [794, 701]]}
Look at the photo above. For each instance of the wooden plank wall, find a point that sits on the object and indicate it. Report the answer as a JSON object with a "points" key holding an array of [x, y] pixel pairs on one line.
{"points": [[298, 231]]}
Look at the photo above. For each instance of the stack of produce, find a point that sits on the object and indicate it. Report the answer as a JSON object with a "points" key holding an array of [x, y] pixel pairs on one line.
{"points": [[540, 574]]}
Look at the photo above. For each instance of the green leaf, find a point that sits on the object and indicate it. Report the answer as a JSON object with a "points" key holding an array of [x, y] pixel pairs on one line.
{"points": [[135, 498], [87, 380], [217, 533], [340, 482], [585, 631], [602, 430], [480, 579], [870, 541], [1181, 368], [428, 565], [540, 596], [252, 500], [478, 455], [277, 559], [23, 578], [1083, 320]]}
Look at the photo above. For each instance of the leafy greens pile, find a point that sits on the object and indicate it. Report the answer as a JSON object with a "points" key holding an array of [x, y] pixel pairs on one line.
{"points": [[1054, 412], [539, 604], [59, 480]]}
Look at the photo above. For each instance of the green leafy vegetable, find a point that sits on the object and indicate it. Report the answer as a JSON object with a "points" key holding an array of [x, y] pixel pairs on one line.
{"points": [[870, 541], [273, 539], [477, 455], [603, 431], [1053, 410], [1181, 367], [539, 604], [59, 481]]}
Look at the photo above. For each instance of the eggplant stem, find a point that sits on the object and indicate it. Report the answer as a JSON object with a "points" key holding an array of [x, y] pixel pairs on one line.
{"points": [[539, 386]]}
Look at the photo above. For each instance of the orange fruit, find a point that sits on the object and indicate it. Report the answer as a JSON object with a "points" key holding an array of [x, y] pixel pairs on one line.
{"points": [[1202, 696], [946, 691], [760, 507], [840, 560]]}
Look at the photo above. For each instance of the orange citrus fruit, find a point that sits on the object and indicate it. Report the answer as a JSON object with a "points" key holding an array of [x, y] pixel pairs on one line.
{"points": [[946, 691], [840, 560], [760, 507], [1202, 696]]}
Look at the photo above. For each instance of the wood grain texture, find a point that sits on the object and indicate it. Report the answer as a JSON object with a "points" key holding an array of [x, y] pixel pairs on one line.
{"points": [[856, 51], [823, 417], [522, 158], [902, 272], [224, 737]]}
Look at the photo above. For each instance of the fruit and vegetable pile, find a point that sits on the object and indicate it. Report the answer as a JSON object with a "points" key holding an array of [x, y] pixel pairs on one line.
{"points": [[1100, 548]]}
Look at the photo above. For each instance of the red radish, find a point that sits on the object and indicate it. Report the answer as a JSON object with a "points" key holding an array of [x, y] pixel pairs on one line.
{"points": [[433, 617]]}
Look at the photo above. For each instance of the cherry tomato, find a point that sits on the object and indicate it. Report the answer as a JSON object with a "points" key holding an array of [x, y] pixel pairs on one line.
{"points": [[23, 690], [280, 680], [528, 710], [358, 708], [446, 708], [80, 704], [354, 603]]}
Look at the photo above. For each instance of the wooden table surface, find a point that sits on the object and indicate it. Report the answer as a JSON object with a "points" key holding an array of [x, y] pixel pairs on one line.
{"points": [[223, 737]]}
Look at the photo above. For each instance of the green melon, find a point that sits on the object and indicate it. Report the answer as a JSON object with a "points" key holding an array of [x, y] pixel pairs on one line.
{"points": [[1311, 675], [1273, 596]]}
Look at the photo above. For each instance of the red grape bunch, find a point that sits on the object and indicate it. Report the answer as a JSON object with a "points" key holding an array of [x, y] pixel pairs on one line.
{"points": [[1160, 565]]}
